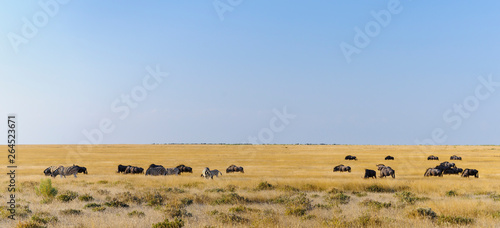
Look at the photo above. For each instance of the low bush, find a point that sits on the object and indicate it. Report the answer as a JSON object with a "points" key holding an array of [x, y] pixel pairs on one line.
{"points": [[177, 223], [46, 191], [375, 204], [86, 198], [264, 186], [408, 197], [70, 212], [115, 203], [424, 213], [231, 198], [67, 196], [136, 214], [454, 220]]}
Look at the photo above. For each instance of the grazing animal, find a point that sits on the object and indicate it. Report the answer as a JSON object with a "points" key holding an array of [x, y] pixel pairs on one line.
{"points": [[432, 157], [206, 173], [433, 172], [342, 168], [445, 165], [370, 173], [133, 170], [184, 169], [65, 171], [122, 168], [387, 171], [215, 172], [81, 169], [470, 172], [389, 157], [350, 157], [455, 157], [380, 167], [233, 168], [453, 171], [172, 171], [48, 171], [156, 171]]}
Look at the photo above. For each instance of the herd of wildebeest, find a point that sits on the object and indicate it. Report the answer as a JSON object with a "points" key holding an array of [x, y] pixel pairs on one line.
{"points": [[158, 170], [385, 171]]}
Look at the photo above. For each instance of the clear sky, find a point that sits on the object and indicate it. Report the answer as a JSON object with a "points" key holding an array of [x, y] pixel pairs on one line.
{"points": [[240, 71]]}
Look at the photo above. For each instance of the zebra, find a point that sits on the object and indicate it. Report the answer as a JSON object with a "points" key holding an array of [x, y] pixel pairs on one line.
{"points": [[215, 172], [206, 173], [156, 171], [172, 171], [48, 171], [65, 171]]}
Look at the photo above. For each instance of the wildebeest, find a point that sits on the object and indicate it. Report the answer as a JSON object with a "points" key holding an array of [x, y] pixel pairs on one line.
{"points": [[470, 172], [172, 171], [453, 171], [350, 157], [455, 157], [233, 168], [215, 172], [122, 168], [370, 173], [433, 172], [386, 171], [65, 171], [342, 168], [48, 171], [133, 170], [432, 157], [81, 169], [206, 173], [446, 165], [184, 169], [156, 171], [389, 157]]}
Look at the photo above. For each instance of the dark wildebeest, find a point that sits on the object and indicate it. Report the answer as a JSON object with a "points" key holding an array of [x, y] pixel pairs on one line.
{"points": [[470, 172], [48, 171], [370, 173], [432, 157], [350, 157], [134, 170], [445, 165], [233, 168], [433, 172], [184, 169], [342, 168], [455, 157], [389, 157], [81, 169], [122, 168], [453, 171], [387, 171]]}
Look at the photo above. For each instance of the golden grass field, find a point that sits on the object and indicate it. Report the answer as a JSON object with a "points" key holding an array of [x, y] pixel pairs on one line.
{"points": [[302, 192]]}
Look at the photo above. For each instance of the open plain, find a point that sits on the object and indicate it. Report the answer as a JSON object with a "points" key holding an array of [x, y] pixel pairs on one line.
{"points": [[283, 186]]}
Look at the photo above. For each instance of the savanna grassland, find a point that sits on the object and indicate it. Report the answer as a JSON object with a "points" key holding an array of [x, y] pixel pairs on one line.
{"points": [[283, 186]]}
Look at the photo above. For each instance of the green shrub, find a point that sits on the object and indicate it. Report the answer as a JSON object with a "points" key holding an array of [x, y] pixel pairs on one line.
{"points": [[67, 196], [86, 197], [454, 220], [231, 188], [98, 209], [102, 182], [264, 186], [379, 189], [103, 192], [408, 197], [154, 199], [71, 212], [177, 223], [240, 209], [43, 219], [424, 212], [92, 205], [451, 193], [46, 190], [288, 188], [230, 218], [359, 194], [115, 203], [29, 224], [375, 204], [136, 213], [215, 190], [231, 198], [338, 198]]}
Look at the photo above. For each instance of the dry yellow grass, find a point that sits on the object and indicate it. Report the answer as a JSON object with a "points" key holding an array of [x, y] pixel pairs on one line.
{"points": [[305, 167]]}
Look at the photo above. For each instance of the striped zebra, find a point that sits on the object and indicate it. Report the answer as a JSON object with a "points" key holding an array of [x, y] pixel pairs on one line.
{"points": [[65, 171], [48, 171], [156, 171], [206, 173], [172, 171], [215, 172]]}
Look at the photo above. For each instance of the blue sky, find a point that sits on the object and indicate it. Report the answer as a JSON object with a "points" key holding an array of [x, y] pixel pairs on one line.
{"points": [[228, 77]]}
